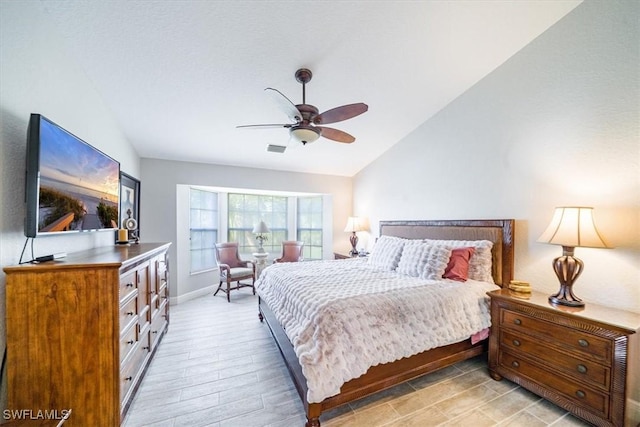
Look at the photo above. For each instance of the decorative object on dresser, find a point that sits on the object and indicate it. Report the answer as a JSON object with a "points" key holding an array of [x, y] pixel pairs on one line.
{"points": [[570, 227], [130, 206], [520, 288], [261, 230], [82, 331], [354, 224], [583, 359]]}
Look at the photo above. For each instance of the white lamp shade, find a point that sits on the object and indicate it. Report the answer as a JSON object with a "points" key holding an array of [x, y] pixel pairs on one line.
{"points": [[261, 228], [354, 224], [304, 134], [573, 227]]}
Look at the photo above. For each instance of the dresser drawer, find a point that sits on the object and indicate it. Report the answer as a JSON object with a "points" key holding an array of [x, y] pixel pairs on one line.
{"points": [[128, 284], [131, 369], [588, 398], [128, 341], [579, 369], [582, 343], [158, 324], [129, 312]]}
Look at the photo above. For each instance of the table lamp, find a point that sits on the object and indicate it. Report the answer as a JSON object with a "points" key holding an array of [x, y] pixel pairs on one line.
{"points": [[260, 230], [570, 227], [354, 224]]}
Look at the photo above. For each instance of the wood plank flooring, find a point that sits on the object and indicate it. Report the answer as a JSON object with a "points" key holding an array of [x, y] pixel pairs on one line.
{"points": [[218, 366]]}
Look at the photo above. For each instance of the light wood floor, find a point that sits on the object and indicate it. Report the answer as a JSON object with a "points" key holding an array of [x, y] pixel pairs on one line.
{"points": [[219, 366]]}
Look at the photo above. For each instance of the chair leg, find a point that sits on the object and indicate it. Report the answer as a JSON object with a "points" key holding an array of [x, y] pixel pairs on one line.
{"points": [[218, 290], [228, 291]]}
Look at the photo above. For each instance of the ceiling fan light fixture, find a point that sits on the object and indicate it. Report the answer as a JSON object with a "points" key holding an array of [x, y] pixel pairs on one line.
{"points": [[304, 134]]}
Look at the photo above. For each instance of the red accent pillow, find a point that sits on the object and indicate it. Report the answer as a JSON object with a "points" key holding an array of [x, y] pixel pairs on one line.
{"points": [[458, 267]]}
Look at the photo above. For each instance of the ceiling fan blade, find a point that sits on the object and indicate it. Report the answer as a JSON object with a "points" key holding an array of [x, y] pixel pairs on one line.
{"points": [[335, 135], [285, 104], [266, 126], [339, 114]]}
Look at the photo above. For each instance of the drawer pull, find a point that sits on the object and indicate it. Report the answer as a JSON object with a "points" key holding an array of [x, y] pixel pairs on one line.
{"points": [[517, 321], [129, 313], [146, 348], [129, 285], [582, 369], [516, 343], [154, 332], [130, 342], [581, 394], [515, 364], [583, 343], [128, 378]]}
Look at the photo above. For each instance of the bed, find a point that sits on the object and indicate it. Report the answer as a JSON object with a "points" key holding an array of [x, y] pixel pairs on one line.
{"points": [[385, 375]]}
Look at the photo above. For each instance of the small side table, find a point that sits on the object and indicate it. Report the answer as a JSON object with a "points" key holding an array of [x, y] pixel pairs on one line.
{"points": [[261, 262], [583, 360], [338, 255]]}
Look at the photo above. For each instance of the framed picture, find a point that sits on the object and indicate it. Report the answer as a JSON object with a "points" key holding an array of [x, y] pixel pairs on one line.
{"points": [[130, 205]]}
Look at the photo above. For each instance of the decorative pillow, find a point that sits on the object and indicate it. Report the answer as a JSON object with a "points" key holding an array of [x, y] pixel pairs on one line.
{"points": [[481, 260], [458, 266], [385, 254], [420, 259]]}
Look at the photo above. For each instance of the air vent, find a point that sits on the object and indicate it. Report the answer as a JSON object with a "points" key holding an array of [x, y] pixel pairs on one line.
{"points": [[276, 148]]}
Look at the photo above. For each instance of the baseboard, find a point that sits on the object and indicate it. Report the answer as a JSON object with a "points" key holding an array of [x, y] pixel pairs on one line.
{"points": [[192, 295]]}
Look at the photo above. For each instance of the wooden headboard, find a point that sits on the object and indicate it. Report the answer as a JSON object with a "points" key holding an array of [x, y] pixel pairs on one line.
{"points": [[499, 231]]}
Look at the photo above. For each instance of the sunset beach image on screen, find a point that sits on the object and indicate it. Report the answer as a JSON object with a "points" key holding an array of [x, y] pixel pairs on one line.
{"points": [[79, 185]]}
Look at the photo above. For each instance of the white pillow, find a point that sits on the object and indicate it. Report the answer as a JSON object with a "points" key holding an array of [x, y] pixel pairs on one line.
{"points": [[385, 254], [424, 260], [481, 260]]}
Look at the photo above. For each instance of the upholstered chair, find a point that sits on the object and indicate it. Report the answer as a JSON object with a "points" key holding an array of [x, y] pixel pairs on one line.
{"points": [[291, 251], [233, 269]]}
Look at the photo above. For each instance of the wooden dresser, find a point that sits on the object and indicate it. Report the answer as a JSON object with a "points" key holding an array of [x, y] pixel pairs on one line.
{"points": [[81, 331], [584, 360]]}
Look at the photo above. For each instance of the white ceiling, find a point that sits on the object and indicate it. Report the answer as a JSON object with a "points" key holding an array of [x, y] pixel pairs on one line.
{"points": [[179, 75]]}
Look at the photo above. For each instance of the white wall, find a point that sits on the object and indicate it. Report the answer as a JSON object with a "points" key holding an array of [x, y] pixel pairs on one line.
{"points": [[159, 210], [556, 125], [29, 83]]}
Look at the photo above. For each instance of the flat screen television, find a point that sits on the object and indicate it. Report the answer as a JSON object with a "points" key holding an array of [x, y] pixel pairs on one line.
{"points": [[70, 185]]}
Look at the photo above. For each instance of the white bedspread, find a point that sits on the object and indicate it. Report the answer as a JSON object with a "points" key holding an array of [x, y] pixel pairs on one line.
{"points": [[343, 317]]}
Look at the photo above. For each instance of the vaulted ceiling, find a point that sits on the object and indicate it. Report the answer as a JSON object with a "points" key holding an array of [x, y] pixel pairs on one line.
{"points": [[179, 76]]}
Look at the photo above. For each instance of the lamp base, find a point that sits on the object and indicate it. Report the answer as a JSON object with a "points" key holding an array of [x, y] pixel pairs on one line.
{"points": [[577, 302], [353, 239], [567, 268]]}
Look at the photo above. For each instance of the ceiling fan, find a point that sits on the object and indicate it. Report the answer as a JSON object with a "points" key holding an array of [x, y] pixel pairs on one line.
{"points": [[308, 123]]}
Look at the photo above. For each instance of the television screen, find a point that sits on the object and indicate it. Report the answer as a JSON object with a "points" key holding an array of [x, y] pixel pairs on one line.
{"points": [[70, 185]]}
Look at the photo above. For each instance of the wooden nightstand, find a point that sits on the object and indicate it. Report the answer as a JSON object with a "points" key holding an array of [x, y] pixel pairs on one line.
{"points": [[337, 255], [585, 361]]}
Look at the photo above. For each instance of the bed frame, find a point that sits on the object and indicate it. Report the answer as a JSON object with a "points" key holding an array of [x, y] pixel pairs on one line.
{"points": [[381, 377]]}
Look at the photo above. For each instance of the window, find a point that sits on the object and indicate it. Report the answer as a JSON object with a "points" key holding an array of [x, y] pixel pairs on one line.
{"points": [[309, 229], [247, 210], [203, 229]]}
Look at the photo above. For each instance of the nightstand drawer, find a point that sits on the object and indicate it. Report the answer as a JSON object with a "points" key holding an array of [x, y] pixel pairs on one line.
{"points": [[586, 345], [586, 397], [579, 369]]}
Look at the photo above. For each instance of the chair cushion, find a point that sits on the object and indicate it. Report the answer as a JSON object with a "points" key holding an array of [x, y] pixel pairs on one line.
{"points": [[240, 272]]}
